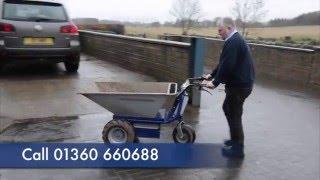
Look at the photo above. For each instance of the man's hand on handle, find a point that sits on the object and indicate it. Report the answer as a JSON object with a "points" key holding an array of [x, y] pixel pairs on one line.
{"points": [[208, 81], [207, 76], [208, 84]]}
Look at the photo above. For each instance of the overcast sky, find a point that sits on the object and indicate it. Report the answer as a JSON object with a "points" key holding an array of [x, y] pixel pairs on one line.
{"points": [[158, 10]]}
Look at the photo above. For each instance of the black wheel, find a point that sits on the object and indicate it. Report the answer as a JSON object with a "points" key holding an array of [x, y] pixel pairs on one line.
{"points": [[189, 135], [118, 132], [72, 64]]}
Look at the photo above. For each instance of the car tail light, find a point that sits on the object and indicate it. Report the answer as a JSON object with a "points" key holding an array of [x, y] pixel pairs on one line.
{"points": [[4, 27], [69, 29]]}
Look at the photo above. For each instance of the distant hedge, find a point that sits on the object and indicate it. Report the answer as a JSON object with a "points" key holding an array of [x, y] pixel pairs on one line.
{"points": [[111, 28]]}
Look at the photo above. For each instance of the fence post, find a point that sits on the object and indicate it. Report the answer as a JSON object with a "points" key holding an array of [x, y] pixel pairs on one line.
{"points": [[197, 66]]}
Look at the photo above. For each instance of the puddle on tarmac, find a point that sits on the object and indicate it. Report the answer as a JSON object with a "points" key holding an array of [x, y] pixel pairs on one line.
{"points": [[56, 129]]}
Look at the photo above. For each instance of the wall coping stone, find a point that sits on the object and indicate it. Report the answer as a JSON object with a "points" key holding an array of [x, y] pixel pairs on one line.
{"points": [[147, 40], [274, 46], [254, 44]]}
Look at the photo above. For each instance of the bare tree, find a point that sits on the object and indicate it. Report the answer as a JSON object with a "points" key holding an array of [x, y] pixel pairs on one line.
{"points": [[187, 13], [247, 11]]}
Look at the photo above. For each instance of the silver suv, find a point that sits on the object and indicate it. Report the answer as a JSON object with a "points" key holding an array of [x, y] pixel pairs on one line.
{"points": [[37, 31]]}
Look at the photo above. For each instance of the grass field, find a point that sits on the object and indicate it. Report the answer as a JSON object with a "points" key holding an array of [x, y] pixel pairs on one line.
{"points": [[296, 32]]}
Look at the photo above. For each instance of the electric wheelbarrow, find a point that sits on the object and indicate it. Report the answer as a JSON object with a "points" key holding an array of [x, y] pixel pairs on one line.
{"points": [[141, 108]]}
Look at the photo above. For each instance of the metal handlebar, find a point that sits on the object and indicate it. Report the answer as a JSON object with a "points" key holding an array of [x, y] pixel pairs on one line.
{"points": [[197, 79], [197, 83]]}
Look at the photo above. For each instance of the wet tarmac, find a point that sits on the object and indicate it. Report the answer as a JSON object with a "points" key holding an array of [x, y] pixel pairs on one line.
{"points": [[281, 124], [44, 91]]}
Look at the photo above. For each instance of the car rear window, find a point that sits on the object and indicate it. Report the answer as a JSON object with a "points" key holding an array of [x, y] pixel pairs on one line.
{"points": [[34, 11]]}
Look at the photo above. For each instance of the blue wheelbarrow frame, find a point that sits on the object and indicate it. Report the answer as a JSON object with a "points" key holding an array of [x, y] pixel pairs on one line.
{"points": [[175, 114]]}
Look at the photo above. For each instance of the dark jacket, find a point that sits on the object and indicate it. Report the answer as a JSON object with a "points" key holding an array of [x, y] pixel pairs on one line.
{"points": [[235, 68]]}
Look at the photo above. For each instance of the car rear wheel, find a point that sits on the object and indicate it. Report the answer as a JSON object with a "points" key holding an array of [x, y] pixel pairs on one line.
{"points": [[72, 65]]}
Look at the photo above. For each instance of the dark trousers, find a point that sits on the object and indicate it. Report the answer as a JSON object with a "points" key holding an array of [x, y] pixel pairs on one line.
{"points": [[233, 108]]}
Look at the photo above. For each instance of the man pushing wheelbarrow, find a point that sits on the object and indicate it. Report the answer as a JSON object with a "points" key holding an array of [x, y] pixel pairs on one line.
{"points": [[236, 71], [141, 108]]}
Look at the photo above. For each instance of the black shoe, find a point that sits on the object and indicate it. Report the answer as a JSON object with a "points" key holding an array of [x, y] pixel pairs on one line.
{"points": [[228, 142], [234, 151]]}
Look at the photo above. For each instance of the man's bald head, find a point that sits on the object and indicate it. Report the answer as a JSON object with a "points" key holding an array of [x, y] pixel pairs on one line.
{"points": [[226, 26]]}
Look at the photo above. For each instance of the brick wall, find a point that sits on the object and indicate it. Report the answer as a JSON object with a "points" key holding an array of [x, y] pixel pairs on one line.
{"points": [[170, 60], [164, 60], [300, 66]]}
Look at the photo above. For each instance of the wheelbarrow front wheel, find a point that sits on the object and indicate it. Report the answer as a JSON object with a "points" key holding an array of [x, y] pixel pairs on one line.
{"points": [[118, 132], [188, 134]]}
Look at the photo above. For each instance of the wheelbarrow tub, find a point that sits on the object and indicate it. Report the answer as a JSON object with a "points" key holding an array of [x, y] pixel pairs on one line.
{"points": [[147, 99]]}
